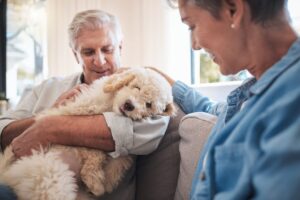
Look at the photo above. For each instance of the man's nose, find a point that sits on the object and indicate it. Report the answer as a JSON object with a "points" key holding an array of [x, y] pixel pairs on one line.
{"points": [[99, 58]]}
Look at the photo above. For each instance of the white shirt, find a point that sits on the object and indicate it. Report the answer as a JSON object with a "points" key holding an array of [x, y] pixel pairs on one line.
{"points": [[131, 137]]}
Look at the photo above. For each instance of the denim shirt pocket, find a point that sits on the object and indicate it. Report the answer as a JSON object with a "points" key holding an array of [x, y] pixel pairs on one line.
{"points": [[228, 161]]}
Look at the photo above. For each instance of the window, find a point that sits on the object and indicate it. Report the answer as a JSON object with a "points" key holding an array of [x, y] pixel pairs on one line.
{"points": [[25, 45], [206, 71], [2, 48]]}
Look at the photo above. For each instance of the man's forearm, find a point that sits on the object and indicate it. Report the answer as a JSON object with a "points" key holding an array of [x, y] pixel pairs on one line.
{"points": [[86, 131], [13, 130]]}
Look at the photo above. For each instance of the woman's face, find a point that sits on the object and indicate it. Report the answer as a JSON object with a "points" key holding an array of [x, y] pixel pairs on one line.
{"points": [[98, 52], [216, 36]]}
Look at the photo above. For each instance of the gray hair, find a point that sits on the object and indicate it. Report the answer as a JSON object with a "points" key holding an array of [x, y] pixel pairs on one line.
{"points": [[261, 10], [92, 20]]}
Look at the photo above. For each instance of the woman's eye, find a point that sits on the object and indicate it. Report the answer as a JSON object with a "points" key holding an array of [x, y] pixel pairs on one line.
{"points": [[191, 28], [148, 105]]}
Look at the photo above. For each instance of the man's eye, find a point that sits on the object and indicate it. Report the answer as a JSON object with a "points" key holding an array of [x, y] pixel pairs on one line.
{"points": [[87, 53], [108, 50]]}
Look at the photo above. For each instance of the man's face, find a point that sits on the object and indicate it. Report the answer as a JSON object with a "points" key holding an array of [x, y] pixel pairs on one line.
{"points": [[98, 51]]}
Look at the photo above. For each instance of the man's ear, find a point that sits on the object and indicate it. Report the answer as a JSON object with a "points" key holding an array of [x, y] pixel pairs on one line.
{"points": [[234, 11], [76, 56], [121, 46]]}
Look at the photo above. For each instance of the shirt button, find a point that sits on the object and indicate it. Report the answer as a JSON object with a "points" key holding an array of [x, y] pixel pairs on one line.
{"points": [[202, 176]]}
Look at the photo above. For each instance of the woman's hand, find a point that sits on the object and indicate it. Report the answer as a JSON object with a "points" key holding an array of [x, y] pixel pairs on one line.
{"points": [[69, 95]]}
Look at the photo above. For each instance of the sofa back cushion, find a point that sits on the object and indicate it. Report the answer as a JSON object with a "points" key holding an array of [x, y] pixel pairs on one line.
{"points": [[157, 173]]}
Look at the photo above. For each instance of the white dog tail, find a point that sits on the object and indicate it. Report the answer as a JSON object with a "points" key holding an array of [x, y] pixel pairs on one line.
{"points": [[40, 176], [6, 159]]}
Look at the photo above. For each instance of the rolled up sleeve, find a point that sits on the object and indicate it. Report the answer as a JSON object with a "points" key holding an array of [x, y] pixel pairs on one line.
{"points": [[135, 137]]}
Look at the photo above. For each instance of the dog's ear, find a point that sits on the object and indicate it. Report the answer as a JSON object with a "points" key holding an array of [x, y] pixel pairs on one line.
{"points": [[117, 81], [170, 110]]}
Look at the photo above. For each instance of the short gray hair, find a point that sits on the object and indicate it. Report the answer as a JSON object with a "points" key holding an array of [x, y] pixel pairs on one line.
{"points": [[261, 10], [92, 20]]}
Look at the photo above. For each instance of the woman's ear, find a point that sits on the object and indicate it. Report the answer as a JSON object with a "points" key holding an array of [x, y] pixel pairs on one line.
{"points": [[234, 11]]}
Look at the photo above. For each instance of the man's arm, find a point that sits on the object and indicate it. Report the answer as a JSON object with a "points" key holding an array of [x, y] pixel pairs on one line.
{"points": [[118, 134], [13, 130], [87, 131]]}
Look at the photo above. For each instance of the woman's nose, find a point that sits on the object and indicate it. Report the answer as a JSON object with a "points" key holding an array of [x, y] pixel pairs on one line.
{"points": [[195, 43]]}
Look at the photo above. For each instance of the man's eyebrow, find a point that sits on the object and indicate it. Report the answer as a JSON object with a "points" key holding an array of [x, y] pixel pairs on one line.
{"points": [[86, 48]]}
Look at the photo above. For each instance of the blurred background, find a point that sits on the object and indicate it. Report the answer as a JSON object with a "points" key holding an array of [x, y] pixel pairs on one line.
{"points": [[34, 43]]}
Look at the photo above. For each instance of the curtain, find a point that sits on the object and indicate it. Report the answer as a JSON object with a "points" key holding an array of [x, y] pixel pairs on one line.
{"points": [[153, 35]]}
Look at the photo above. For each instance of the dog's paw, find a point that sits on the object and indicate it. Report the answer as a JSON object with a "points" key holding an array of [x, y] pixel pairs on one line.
{"points": [[94, 186], [115, 170], [94, 182]]}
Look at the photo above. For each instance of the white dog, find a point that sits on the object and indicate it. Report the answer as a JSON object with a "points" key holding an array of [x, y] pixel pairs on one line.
{"points": [[136, 93]]}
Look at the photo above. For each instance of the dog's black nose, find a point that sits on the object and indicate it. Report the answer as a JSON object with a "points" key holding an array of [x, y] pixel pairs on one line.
{"points": [[128, 106]]}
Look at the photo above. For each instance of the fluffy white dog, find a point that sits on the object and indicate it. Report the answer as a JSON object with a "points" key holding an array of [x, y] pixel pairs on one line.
{"points": [[136, 93]]}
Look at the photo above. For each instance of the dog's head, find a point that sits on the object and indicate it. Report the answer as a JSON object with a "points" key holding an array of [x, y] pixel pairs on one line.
{"points": [[141, 93]]}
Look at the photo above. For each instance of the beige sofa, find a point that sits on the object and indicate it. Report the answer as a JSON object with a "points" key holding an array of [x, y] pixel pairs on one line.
{"points": [[167, 173]]}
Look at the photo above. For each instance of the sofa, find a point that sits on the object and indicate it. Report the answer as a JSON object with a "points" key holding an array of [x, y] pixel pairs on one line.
{"points": [[166, 173]]}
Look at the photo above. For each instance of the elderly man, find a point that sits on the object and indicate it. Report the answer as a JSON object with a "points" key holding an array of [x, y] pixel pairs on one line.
{"points": [[96, 41]]}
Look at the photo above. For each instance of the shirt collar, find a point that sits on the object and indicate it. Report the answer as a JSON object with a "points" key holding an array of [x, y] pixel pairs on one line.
{"points": [[292, 56], [80, 79]]}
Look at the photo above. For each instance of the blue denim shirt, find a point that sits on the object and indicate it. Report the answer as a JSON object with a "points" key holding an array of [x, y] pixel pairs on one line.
{"points": [[253, 152]]}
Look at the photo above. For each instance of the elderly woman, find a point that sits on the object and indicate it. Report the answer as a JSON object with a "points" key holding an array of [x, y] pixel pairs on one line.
{"points": [[253, 151]]}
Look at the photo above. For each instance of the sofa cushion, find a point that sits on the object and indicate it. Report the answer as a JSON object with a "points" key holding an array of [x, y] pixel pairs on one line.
{"points": [[157, 173], [193, 130]]}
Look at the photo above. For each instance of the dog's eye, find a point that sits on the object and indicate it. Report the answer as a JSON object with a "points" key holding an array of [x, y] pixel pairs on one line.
{"points": [[148, 105], [136, 87]]}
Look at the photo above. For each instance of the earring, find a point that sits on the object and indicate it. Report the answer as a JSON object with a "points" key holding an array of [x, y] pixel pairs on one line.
{"points": [[232, 26]]}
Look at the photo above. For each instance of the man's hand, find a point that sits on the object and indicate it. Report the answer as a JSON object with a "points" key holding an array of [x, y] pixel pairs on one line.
{"points": [[69, 95], [36, 136]]}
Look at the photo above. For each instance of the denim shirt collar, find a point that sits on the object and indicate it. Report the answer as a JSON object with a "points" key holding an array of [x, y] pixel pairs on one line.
{"points": [[292, 56], [237, 97]]}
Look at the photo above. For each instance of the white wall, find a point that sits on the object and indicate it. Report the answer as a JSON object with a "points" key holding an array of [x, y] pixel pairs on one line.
{"points": [[217, 91], [154, 35]]}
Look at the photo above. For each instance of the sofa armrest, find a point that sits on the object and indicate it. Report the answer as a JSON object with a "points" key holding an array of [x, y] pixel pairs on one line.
{"points": [[193, 130]]}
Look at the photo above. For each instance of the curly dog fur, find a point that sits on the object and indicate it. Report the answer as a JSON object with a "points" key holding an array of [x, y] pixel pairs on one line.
{"points": [[136, 93]]}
